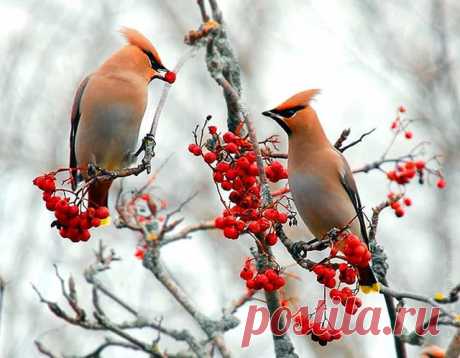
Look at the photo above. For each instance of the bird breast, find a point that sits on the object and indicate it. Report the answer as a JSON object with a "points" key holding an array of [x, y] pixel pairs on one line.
{"points": [[111, 114], [321, 205]]}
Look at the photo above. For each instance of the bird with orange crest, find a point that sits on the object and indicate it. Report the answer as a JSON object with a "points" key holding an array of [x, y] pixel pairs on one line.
{"points": [[108, 109]]}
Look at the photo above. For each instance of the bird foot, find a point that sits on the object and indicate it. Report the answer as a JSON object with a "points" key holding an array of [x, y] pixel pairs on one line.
{"points": [[299, 250]]}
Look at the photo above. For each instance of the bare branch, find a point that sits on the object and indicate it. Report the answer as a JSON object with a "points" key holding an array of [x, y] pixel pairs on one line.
{"points": [[343, 149]]}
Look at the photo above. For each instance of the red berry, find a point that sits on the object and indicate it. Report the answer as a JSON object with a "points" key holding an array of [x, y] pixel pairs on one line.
{"points": [[231, 148], [441, 183], [402, 109], [240, 225], [218, 177], [231, 233], [352, 240], [139, 253], [254, 227], [246, 274], [394, 125], [408, 135], [391, 175], [95, 222], [229, 220], [102, 212], [72, 210], [271, 274], [170, 77], [194, 149], [270, 214], [261, 279], [399, 212], [51, 203], [226, 185], [420, 164], [264, 224], [222, 167], [279, 282], [271, 239], [212, 130], [48, 185], [395, 205], [407, 201], [229, 137], [282, 218], [330, 283], [85, 235], [243, 163], [251, 284], [210, 157]]}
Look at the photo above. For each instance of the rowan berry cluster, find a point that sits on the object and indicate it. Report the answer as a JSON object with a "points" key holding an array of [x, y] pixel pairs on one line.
{"points": [[400, 125], [356, 251], [403, 174], [356, 254], [72, 222], [317, 331], [406, 170], [269, 280], [235, 170], [346, 297]]}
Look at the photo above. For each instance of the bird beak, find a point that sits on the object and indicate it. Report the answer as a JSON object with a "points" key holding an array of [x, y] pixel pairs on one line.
{"points": [[271, 115], [278, 119], [165, 75]]}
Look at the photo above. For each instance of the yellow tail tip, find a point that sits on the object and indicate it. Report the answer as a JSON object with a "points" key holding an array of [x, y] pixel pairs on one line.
{"points": [[106, 221], [370, 289]]}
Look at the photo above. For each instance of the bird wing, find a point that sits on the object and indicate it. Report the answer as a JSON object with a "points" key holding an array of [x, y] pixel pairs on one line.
{"points": [[74, 119], [348, 183]]}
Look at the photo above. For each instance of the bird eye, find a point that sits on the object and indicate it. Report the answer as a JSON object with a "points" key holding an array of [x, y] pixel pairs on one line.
{"points": [[288, 113]]}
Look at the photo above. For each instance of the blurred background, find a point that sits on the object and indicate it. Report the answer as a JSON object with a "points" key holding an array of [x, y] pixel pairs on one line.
{"points": [[368, 57]]}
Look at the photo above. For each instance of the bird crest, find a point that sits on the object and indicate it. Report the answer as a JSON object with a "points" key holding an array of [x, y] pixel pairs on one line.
{"points": [[135, 38], [301, 99]]}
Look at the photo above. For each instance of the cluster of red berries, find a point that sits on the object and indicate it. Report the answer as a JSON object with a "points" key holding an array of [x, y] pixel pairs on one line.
{"points": [[276, 172], [347, 274], [398, 204], [398, 125], [346, 297], [403, 174], [325, 274], [269, 280], [71, 222], [356, 251], [318, 332], [234, 166]]}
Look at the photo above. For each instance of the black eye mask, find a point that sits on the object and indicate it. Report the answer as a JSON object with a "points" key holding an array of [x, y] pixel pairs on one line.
{"points": [[287, 113], [153, 62]]}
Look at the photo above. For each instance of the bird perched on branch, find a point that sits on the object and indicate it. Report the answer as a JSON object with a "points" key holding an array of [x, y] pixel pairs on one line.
{"points": [[108, 109], [320, 178]]}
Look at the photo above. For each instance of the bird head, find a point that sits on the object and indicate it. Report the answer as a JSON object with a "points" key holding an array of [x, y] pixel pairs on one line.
{"points": [[147, 60], [294, 114]]}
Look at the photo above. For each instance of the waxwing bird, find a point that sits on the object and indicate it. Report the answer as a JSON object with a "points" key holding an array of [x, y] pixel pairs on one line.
{"points": [[108, 109], [320, 179]]}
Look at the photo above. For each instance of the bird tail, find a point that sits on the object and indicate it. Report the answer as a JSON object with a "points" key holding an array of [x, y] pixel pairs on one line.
{"points": [[367, 281], [98, 194]]}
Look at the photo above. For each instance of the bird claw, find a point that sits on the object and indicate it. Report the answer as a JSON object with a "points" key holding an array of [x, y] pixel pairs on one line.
{"points": [[298, 250], [148, 147]]}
